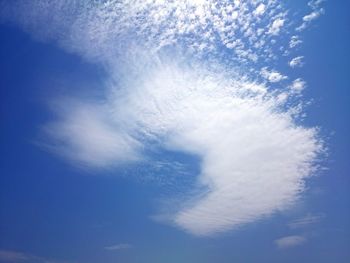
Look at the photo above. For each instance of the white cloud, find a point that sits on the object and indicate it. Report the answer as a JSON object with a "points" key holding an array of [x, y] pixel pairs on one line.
{"points": [[86, 135], [260, 10], [272, 76], [315, 4], [295, 41], [118, 247], [290, 241], [242, 156], [93, 28], [254, 158], [276, 26], [296, 62], [306, 221], [298, 85], [246, 144], [312, 16], [317, 11]]}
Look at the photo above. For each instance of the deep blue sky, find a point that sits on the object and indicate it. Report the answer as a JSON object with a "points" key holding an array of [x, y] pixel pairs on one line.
{"points": [[53, 210]]}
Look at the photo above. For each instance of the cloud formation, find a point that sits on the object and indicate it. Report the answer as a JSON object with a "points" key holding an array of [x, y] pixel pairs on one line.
{"points": [[317, 11], [171, 86], [86, 135], [290, 241], [95, 29], [9, 256], [295, 41], [298, 85], [276, 26], [12, 256], [271, 75], [306, 221], [118, 247], [296, 62]]}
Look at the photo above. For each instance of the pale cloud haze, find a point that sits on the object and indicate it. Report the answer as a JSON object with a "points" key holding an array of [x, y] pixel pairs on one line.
{"points": [[290, 241], [119, 246]]}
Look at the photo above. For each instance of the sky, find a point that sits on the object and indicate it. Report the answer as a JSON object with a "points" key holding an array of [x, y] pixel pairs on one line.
{"points": [[174, 131]]}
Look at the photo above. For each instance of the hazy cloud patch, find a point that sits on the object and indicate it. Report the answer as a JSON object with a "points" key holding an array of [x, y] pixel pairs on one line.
{"points": [[290, 241]]}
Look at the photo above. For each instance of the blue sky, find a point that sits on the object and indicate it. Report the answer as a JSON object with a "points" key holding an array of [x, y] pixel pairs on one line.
{"points": [[188, 131]]}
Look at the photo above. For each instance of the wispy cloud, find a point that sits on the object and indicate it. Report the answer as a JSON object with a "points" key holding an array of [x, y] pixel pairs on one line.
{"points": [[9, 256], [290, 241], [188, 97], [87, 135], [271, 75], [93, 28], [13, 256], [306, 221], [317, 11], [297, 62], [298, 85], [118, 246], [295, 41]]}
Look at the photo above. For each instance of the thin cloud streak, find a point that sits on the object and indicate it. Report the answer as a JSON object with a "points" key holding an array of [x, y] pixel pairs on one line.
{"points": [[10, 256], [118, 247], [306, 221], [317, 11]]}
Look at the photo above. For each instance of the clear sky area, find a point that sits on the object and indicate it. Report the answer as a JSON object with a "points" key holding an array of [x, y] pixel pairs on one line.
{"points": [[190, 131]]}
